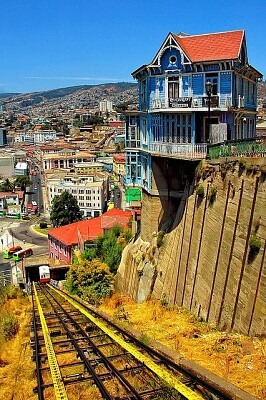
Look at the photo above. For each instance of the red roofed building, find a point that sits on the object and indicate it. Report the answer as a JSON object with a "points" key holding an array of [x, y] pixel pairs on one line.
{"points": [[62, 240]]}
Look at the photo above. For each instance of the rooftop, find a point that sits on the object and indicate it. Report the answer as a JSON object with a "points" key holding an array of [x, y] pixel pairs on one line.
{"points": [[212, 46], [90, 229]]}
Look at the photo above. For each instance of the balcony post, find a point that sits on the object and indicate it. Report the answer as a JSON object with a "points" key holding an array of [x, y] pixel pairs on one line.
{"points": [[208, 88]]}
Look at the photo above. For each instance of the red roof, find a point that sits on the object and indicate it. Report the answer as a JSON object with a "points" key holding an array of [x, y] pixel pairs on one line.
{"points": [[90, 228], [11, 194], [213, 46], [120, 158]]}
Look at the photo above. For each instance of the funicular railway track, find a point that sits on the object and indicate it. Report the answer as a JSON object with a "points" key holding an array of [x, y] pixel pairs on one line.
{"points": [[77, 352]]}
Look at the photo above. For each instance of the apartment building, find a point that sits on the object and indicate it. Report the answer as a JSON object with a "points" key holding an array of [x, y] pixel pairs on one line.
{"points": [[3, 137], [42, 136], [88, 168], [90, 193], [106, 106], [66, 159]]}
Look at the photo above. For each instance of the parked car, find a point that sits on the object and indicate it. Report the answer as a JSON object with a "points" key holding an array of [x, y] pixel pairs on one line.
{"points": [[34, 203]]}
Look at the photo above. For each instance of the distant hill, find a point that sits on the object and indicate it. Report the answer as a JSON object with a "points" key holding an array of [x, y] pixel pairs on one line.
{"points": [[75, 96], [3, 95], [83, 96]]}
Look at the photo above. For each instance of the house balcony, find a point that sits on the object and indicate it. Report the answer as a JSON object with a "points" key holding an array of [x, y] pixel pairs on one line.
{"points": [[186, 151], [192, 103]]}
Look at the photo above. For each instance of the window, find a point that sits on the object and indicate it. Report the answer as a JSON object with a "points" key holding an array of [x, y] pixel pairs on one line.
{"points": [[173, 87], [213, 78], [173, 60], [144, 130]]}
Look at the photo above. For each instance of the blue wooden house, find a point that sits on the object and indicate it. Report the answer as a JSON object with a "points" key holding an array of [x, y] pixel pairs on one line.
{"points": [[197, 91]]}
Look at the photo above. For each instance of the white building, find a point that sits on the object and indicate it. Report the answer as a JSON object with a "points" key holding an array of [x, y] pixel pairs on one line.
{"points": [[21, 168], [43, 136], [90, 194], [24, 137], [106, 106]]}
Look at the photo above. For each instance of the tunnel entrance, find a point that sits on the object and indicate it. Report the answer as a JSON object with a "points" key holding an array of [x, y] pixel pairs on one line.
{"points": [[57, 273]]}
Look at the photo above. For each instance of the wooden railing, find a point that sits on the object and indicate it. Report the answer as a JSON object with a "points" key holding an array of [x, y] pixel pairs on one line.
{"points": [[192, 102], [179, 150]]}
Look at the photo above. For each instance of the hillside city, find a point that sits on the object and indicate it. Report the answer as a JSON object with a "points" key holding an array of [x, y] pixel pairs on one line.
{"points": [[126, 194], [75, 138]]}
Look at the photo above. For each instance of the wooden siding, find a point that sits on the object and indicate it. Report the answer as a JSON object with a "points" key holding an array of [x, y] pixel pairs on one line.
{"points": [[197, 85]]}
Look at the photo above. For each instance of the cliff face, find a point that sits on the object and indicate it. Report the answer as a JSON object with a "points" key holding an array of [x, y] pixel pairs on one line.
{"points": [[204, 262]]}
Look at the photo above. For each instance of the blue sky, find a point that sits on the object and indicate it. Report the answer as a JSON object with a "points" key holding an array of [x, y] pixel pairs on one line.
{"points": [[58, 43]]}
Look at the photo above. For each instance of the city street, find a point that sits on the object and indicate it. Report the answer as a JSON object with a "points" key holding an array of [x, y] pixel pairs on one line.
{"points": [[20, 234]]}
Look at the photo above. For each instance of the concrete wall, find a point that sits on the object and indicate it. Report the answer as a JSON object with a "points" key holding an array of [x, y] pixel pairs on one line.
{"points": [[203, 263]]}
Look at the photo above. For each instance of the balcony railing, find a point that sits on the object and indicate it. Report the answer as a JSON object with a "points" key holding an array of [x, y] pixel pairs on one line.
{"points": [[192, 102], [179, 150]]}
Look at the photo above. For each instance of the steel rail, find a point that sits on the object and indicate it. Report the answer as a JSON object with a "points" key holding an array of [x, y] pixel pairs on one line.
{"points": [[161, 372], [36, 351], [59, 386], [101, 355], [104, 392], [147, 348], [215, 385]]}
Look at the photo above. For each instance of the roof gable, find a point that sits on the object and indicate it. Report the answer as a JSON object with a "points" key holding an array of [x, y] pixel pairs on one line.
{"points": [[201, 48], [213, 46]]}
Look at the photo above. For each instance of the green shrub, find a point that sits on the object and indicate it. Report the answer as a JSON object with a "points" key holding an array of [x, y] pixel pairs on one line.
{"points": [[160, 238], [254, 248], [43, 225], [164, 301], [144, 338], [255, 243], [212, 193], [8, 292], [242, 163], [8, 326], [200, 191]]}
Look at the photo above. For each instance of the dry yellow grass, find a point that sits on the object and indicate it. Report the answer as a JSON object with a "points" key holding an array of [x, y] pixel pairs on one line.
{"points": [[237, 358], [17, 376]]}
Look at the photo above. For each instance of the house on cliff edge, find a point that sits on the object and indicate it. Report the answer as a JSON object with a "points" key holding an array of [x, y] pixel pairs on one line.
{"points": [[62, 240], [197, 90]]}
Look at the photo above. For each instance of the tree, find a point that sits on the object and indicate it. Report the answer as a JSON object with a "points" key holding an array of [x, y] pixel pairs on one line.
{"points": [[7, 186], [108, 247], [22, 181], [65, 209], [89, 279]]}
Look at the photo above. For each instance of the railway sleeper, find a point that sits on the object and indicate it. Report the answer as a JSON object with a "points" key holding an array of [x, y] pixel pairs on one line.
{"points": [[56, 332]]}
